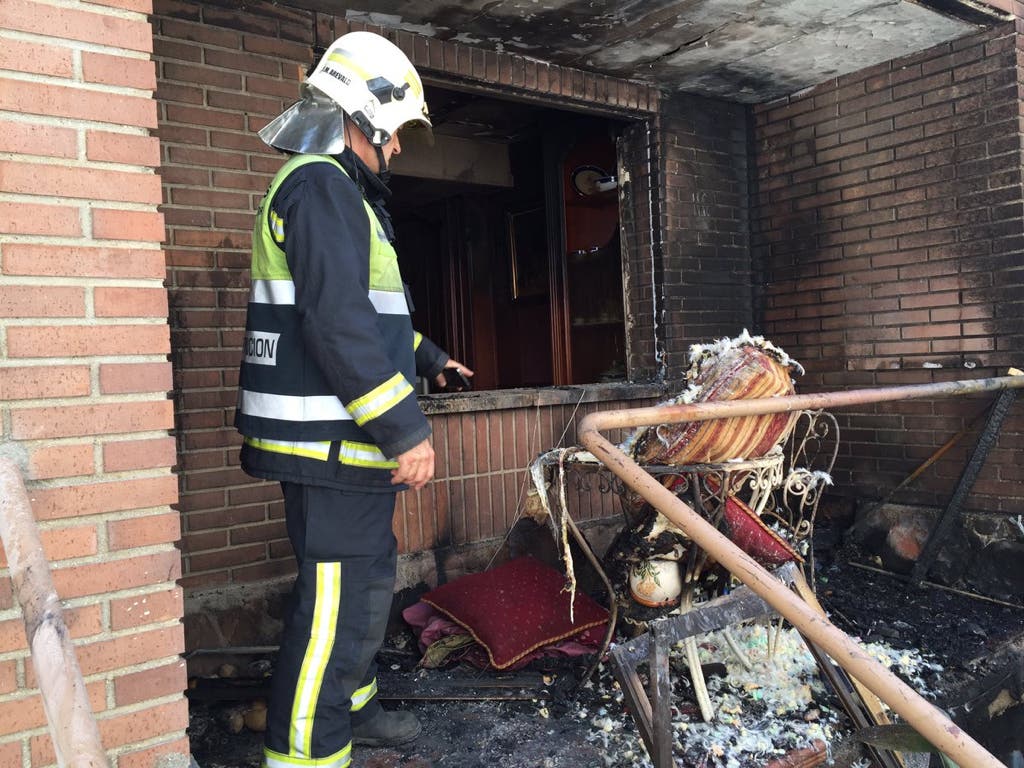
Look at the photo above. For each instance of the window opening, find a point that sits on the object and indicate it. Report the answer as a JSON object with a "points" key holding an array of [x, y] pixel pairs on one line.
{"points": [[508, 236]]}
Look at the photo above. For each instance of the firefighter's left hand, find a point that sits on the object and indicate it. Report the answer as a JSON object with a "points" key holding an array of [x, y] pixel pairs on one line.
{"points": [[464, 370]]}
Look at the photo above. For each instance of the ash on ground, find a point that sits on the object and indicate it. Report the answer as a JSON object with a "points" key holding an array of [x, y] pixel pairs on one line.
{"points": [[939, 641]]}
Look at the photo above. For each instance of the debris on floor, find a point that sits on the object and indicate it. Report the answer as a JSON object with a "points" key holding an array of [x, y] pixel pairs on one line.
{"points": [[943, 643], [776, 706]]}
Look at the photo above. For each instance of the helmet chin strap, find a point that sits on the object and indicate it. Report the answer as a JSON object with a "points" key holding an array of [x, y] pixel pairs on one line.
{"points": [[383, 173], [372, 137]]}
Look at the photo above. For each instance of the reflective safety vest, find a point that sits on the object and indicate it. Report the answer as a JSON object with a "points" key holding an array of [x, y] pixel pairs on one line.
{"points": [[295, 428]]}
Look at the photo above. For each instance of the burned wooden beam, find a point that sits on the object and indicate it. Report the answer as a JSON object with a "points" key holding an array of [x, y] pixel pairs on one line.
{"points": [[518, 686], [949, 515], [661, 698]]}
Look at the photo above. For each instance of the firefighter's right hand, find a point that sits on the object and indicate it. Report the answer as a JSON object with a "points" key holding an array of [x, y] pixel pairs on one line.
{"points": [[415, 466]]}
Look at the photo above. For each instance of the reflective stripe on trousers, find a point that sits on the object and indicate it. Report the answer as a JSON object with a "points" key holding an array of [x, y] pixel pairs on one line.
{"points": [[325, 676]]}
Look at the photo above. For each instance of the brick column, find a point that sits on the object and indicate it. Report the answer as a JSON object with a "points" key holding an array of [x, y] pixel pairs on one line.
{"points": [[706, 276], [1018, 13], [84, 374]]}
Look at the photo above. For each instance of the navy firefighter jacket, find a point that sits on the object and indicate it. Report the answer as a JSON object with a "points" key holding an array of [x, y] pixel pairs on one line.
{"points": [[326, 391]]}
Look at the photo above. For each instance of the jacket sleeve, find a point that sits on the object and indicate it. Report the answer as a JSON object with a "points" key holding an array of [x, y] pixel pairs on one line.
{"points": [[327, 244], [430, 358]]}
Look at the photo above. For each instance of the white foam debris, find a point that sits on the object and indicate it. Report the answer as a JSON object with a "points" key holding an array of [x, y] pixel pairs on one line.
{"points": [[699, 354], [907, 663], [778, 706]]}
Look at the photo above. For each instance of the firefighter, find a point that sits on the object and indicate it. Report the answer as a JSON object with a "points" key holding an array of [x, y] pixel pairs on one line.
{"points": [[326, 402]]}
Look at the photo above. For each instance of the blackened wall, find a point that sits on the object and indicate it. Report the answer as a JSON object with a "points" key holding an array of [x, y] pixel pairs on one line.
{"points": [[887, 243], [704, 253]]}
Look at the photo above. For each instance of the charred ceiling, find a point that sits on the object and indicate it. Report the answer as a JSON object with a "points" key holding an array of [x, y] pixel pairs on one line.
{"points": [[739, 50]]}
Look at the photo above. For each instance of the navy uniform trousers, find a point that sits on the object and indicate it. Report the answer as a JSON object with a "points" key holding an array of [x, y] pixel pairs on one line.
{"points": [[325, 676]]}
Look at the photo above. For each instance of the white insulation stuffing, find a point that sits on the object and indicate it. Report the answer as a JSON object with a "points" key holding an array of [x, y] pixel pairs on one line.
{"points": [[760, 715], [699, 354]]}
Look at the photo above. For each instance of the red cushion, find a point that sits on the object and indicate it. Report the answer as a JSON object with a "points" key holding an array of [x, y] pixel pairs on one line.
{"points": [[516, 608], [746, 530], [749, 532]]}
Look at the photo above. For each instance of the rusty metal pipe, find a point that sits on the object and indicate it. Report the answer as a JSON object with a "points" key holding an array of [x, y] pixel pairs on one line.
{"points": [[929, 721], [76, 738], [674, 414]]}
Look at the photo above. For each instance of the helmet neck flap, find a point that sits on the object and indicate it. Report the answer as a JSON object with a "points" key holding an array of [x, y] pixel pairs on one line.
{"points": [[314, 125]]}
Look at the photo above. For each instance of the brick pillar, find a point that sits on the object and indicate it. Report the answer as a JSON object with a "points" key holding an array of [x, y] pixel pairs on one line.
{"points": [[84, 373], [1018, 13], [705, 277]]}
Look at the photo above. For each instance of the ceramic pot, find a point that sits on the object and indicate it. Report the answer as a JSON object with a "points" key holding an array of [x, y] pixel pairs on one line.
{"points": [[655, 583]]}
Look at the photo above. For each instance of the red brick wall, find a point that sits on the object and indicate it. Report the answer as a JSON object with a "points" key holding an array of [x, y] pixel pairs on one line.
{"points": [[222, 75], [483, 456], [887, 236], [84, 373]]}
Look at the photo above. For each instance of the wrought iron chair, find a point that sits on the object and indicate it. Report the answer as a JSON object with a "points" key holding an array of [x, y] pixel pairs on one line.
{"points": [[766, 505], [774, 497]]}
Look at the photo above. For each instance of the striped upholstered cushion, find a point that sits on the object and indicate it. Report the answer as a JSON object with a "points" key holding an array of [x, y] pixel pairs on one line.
{"points": [[736, 373]]}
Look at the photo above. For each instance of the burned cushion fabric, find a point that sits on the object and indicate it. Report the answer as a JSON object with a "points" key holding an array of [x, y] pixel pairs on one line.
{"points": [[732, 369], [517, 608]]}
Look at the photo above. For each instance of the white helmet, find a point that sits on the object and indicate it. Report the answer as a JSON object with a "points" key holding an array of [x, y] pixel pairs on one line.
{"points": [[363, 75]]}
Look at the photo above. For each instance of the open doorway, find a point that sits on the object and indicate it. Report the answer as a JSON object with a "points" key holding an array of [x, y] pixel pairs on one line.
{"points": [[508, 235]]}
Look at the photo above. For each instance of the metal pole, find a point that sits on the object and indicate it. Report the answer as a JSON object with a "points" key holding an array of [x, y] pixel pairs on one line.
{"points": [[927, 719], [76, 738], [674, 414]]}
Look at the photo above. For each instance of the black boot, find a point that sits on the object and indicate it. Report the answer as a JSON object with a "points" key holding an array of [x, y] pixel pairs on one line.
{"points": [[387, 729]]}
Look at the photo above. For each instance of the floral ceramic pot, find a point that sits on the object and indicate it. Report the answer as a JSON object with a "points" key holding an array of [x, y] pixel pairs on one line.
{"points": [[655, 583]]}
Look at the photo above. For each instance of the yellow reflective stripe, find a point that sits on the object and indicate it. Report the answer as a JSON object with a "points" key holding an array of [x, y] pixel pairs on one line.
{"points": [[268, 259], [364, 455], [314, 663], [414, 82], [362, 696], [340, 759], [277, 226], [379, 399], [417, 338], [317, 450], [345, 61]]}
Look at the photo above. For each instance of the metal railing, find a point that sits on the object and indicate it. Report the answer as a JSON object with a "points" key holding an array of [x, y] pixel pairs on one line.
{"points": [[929, 721]]}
